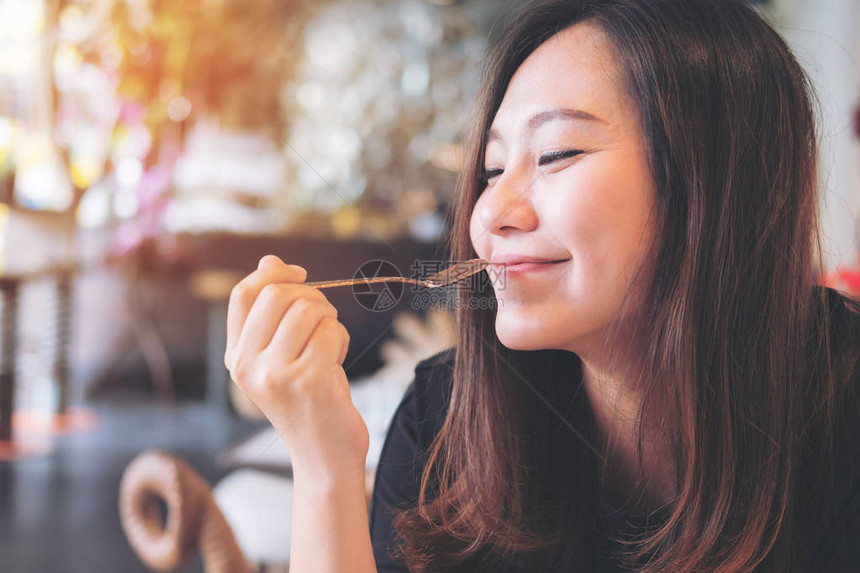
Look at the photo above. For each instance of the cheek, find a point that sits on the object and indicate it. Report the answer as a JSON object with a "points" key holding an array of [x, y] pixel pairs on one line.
{"points": [[477, 233], [578, 219], [605, 226]]}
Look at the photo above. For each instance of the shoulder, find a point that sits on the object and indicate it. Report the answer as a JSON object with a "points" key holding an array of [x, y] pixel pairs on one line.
{"points": [[443, 359], [420, 414], [415, 424], [430, 393], [842, 342], [844, 312], [845, 339], [434, 376], [839, 537]]}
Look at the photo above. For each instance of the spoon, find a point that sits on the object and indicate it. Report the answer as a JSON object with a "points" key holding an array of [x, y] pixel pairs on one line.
{"points": [[452, 274]]}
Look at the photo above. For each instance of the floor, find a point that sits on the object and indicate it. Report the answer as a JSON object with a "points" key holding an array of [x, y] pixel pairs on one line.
{"points": [[58, 512]]}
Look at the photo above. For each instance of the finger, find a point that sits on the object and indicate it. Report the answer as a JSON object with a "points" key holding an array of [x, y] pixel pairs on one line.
{"points": [[295, 328], [273, 261], [326, 342], [344, 349], [270, 270], [277, 304]]}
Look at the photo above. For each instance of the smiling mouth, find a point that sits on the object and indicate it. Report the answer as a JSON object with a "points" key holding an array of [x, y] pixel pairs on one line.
{"points": [[517, 269]]}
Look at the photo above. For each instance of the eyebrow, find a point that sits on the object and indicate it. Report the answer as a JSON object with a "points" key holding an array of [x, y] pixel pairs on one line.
{"points": [[546, 116]]}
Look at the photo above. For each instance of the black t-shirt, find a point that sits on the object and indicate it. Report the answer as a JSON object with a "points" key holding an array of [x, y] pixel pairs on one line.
{"points": [[419, 418]]}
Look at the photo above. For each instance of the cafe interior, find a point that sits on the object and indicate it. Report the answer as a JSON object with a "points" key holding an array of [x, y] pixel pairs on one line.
{"points": [[151, 152]]}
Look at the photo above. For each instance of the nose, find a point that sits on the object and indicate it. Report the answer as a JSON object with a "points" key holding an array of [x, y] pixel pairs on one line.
{"points": [[504, 207]]}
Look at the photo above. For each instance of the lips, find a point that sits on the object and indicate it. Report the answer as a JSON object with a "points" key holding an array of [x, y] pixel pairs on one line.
{"points": [[529, 266], [516, 267], [509, 260]]}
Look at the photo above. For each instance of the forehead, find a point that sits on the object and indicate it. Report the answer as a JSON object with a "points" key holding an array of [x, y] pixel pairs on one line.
{"points": [[574, 69]]}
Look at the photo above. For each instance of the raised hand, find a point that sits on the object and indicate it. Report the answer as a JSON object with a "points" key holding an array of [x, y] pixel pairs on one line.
{"points": [[285, 350]]}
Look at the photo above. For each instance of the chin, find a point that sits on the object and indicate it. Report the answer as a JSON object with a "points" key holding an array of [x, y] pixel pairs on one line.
{"points": [[518, 344], [518, 331], [518, 337]]}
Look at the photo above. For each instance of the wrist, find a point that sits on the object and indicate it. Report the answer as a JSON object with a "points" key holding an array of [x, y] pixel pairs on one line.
{"points": [[310, 459], [328, 480]]}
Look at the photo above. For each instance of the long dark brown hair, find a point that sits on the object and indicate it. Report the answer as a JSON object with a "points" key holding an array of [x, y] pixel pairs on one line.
{"points": [[736, 363]]}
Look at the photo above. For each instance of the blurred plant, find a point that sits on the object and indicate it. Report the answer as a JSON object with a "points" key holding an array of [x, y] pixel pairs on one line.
{"points": [[376, 93], [116, 83], [130, 79], [377, 118], [153, 67], [140, 247], [227, 58], [125, 80]]}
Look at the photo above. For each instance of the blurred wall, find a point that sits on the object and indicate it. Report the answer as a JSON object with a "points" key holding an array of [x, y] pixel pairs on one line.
{"points": [[825, 36]]}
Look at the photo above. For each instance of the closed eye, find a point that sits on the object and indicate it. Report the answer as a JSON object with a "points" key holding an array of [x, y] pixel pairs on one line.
{"points": [[546, 159], [490, 174], [554, 156]]}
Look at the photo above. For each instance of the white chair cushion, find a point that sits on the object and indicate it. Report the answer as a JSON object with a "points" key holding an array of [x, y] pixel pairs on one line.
{"points": [[258, 506]]}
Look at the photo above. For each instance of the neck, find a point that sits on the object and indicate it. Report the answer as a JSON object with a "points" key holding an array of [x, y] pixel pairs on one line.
{"points": [[614, 429]]}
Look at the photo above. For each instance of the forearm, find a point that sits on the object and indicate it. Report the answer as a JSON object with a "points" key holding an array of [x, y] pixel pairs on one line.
{"points": [[330, 530]]}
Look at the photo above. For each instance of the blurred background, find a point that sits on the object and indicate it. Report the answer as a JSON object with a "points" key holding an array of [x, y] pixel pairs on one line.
{"points": [[152, 151]]}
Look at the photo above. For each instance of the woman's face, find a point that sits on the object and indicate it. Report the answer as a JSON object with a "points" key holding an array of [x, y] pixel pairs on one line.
{"points": [[568, 181]]}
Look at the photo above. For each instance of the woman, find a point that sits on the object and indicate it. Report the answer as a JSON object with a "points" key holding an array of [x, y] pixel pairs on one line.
{"points": [[662, 386]]}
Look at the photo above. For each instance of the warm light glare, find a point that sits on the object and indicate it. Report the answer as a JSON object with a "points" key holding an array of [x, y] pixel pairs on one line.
{"points": [[125, 203], [94, 210], [178, 109], [85, 171], [71, 16], [7, 137], [66, 60], [43, 185], [128, 172], [4, 218], [20, 23]]}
